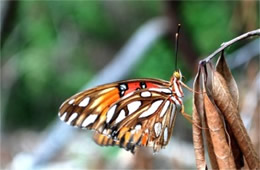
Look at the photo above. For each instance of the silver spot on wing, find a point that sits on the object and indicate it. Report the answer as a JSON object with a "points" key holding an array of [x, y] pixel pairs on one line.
{"points": [[110, 113], [88, 120], [146, 94], [71, 101], [162, 90], [121, 116], [72, 117], [157, 128], [84, 102], [132, 107], [165, 134], [63, 117], [165, 107], [155, 105]]}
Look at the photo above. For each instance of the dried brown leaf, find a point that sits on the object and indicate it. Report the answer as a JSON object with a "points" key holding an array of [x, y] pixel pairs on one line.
{"points": [[228, 107], [222, 150], [206, 77], [215, 123], [212, 156], [237, 152], [224, 70], [197, 132]]}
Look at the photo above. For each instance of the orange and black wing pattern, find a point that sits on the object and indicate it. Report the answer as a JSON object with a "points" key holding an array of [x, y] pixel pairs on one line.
{"points": [[142, 122], [130, 113]]}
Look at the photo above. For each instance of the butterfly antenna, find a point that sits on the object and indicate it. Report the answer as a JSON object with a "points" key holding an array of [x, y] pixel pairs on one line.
{"points": [[177, 44]]}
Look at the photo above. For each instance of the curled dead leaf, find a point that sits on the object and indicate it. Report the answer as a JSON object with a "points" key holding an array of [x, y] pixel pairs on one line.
{"points": [[215, 123], [197, 122], [223, 69], [228, 107], [206, 79]]}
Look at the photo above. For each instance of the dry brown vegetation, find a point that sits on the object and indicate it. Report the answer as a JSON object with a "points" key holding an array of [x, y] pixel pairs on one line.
{"points": [[216, 120]]}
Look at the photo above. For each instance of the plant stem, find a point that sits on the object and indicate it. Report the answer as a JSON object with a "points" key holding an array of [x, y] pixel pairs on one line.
{"points": [[227, 44]]}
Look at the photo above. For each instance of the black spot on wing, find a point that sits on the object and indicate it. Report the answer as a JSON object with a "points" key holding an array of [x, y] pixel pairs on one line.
{"points": [[122, 88], [143, 85]]}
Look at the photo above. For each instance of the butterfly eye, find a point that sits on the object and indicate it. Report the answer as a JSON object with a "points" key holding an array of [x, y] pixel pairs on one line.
{"points": [[184, 79], [177, 75]]}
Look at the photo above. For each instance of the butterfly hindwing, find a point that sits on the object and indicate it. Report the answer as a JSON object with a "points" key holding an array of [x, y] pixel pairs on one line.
{"points": [[141, 119]]}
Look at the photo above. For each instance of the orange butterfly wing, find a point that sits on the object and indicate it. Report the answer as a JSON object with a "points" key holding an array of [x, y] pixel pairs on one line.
{"points": [[125, 113]]}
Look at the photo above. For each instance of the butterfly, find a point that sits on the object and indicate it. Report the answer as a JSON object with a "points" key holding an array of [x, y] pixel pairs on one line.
{"points": [[129, 114]]}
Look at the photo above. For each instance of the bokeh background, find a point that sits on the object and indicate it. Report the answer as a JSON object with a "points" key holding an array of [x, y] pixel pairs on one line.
{"points": [[52, 49]]}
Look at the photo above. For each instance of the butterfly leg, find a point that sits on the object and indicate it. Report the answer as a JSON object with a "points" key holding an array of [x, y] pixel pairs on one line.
{"points": [[189, 118], [186, 115]]}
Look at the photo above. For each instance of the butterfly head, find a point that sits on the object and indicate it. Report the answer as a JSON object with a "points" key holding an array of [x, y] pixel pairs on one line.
{"points": [[177, 74]]}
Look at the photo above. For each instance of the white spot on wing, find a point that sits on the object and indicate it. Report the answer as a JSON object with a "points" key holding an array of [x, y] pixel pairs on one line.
{"points": [[157, 129], [72, 117], [150, 143], [105, 131], [146, 94], [121, 116], [84, 102], [138, 127], [132, 107], [165, 107], [63, 117], [110, 113], [163, 90], [133, 131], [88, 120], [165, 135], [152, 109], [123, 87], [71, 101]]}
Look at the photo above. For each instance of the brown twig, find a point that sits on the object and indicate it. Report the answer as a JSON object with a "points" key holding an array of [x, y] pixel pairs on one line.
{"points": [[227, 44]]}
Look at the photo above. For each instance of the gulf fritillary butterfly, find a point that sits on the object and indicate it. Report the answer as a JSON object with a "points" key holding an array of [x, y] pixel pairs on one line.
{"points": [[138, 112]]}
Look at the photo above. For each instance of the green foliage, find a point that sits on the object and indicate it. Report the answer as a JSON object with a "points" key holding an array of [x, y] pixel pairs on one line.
{"points": [[158, 62], [54, 42], [208, 22]]}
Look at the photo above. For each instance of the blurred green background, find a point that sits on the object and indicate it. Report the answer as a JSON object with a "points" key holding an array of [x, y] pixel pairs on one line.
{"points": [[50, 49]]}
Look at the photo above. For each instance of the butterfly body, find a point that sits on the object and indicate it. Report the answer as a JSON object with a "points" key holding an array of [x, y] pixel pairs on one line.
{"points": [[138, 112]]}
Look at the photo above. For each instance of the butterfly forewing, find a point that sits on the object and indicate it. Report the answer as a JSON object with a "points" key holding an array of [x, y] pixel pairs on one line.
{"points": [[85, 107]]}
